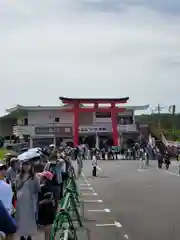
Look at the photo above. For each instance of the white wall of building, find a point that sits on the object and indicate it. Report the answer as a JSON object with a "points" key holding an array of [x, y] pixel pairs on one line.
{"points": [[45, 117], [102, 120], [86, 120], [127, 113], [48, 117], [23, 130]]}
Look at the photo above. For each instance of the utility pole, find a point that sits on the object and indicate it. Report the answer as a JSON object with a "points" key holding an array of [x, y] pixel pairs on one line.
{"points": [[172, 110], [159, 110]]}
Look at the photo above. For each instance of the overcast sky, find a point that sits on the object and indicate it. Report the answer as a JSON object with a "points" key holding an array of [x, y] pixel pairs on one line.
{"points": [[89, 48]]}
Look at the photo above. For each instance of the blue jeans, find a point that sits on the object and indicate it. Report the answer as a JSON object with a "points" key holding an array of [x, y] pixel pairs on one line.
{"points": [[7, 223]]}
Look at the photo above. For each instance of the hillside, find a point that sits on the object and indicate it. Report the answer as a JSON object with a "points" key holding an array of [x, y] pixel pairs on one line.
{"points": [[167, 123]]}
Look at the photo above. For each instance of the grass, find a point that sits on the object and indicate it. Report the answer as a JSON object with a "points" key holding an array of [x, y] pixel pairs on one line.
{"points": [[3, 151]]}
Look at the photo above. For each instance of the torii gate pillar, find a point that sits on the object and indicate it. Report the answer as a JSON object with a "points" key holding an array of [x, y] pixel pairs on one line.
{"points": [[76, 125], [114, 126]]}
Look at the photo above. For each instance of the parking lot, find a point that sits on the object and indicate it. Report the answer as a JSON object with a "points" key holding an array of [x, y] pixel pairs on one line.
{"points": [[125, 202]]}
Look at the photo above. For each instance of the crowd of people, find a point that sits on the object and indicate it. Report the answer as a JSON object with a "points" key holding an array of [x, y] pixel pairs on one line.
{"points": [[30, 189], [29, 199]]}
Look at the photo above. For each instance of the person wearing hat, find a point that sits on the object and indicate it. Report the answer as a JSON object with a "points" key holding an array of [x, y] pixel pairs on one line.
{"points": [[12, 170], [52, 147], [9, 156], [45, 176], [55, 166]]}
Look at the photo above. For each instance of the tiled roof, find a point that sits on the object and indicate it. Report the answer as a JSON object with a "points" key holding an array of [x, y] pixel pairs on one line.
{"points": [[65, 99], [11, 111]]}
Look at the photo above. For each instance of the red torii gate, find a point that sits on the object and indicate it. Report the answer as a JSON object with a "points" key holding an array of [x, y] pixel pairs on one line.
{"points": [[76, 109]]}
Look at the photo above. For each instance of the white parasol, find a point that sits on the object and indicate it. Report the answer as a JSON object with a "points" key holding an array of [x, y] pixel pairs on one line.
{"points": [[30, 154]]}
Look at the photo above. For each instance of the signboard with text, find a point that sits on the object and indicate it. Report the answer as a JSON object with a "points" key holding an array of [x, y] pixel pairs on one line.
{"points": [[59, 131], [92, 129], [68, 130]]}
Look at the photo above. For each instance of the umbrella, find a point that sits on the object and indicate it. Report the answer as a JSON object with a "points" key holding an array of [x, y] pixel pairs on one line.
{"points": [[29, 155], [35, 150]]}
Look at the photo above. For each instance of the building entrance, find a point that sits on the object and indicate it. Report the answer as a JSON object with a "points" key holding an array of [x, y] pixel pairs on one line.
{"points": [[105, 141], [96, 141], [90, 140]]}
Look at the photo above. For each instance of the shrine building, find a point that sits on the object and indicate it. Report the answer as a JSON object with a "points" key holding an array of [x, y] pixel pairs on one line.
{"points": [[77, 120]]}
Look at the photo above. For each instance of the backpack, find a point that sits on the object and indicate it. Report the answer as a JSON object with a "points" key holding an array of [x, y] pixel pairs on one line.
{"points": [[46, 195]]}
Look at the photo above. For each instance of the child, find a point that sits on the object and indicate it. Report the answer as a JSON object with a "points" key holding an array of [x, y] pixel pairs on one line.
{"points": [[94, 165]]}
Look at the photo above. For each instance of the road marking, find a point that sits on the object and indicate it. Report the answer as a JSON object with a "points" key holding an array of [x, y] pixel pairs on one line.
{"points": [[107, 210], [142, 170], [85, 184], [87, 188], [171, 173], [86, 181], [106, 225], [89, 194], [168, 172], [91, 187], [93, 201], [116, 224], [100, 210]]}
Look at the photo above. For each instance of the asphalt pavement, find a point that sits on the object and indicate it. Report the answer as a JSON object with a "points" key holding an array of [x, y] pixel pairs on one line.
{"points": [[126, 202]]}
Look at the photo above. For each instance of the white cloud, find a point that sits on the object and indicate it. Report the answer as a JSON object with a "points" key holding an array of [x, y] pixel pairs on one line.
{"points": [[52, 48]]}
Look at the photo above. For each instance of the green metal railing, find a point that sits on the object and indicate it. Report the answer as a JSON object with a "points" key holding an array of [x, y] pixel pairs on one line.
{"points": [[68, 219]]}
